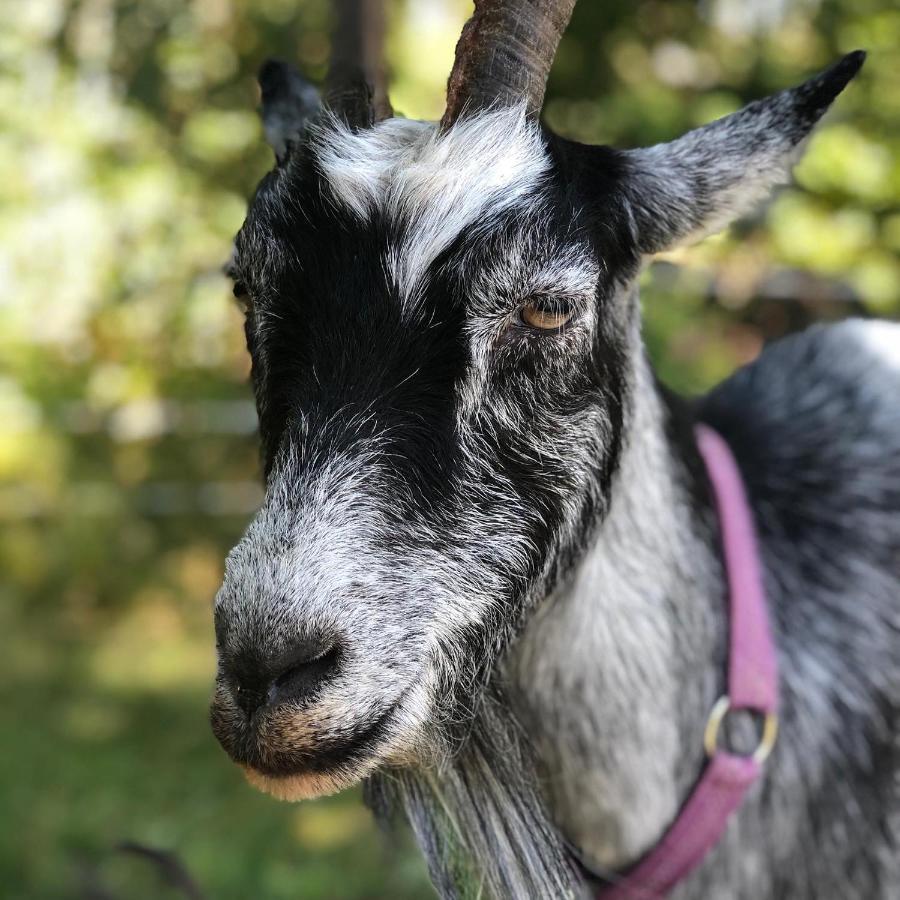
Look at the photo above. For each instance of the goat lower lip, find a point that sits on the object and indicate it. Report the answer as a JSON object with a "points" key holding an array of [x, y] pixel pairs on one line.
{"points": [[331, 755]]}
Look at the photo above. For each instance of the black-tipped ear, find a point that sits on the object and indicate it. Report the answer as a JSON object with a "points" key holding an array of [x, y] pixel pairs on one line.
{"points": [[696, 185], [289, 101]]}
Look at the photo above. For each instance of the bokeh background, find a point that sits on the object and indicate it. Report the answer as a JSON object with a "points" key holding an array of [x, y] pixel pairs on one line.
{"points": [[128, 146]]}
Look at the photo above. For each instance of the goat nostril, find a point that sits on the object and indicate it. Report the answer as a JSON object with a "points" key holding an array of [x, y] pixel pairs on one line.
{"points": [[293, 676], [247, 695], [303, 672]]}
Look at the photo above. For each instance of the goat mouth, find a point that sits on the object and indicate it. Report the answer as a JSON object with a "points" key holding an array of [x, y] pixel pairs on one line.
{"points": [[331, 766], [304, 785]]}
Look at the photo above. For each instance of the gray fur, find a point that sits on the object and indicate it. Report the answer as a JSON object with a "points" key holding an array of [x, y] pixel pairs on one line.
{"points": [[823, 822], [697, 184]]}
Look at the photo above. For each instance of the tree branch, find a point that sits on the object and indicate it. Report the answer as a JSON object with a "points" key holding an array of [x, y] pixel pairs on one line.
{"points": [[356, 85]]}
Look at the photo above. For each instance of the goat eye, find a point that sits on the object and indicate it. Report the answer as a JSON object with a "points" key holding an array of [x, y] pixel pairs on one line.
{"points": [[544, 319]]}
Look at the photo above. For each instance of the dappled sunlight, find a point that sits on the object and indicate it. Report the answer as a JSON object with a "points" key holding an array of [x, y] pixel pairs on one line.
{"points": [[149, 649]]}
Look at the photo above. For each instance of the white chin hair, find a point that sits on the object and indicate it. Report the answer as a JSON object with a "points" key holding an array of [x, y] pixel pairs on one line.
{"points": [[300, 787]]}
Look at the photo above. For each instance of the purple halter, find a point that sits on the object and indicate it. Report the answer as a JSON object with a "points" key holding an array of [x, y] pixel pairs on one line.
{"points": [[752, 686]]}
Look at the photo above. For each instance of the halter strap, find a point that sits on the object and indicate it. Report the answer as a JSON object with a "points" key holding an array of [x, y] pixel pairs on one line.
{"points": [[752, 686]]}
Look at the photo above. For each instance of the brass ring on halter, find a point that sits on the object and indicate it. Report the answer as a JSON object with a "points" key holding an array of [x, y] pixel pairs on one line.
{"points": [[714, 725]]}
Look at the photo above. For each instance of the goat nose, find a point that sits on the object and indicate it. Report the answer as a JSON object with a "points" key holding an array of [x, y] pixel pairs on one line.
{"points": [[293, 676], [302, 670]]}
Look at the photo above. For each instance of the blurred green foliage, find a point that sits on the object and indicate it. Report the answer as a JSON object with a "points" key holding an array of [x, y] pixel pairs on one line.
{"points": [[129, 143]]}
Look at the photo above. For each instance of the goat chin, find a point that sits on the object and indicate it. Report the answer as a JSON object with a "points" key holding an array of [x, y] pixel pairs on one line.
{"points": [[303, 786]]}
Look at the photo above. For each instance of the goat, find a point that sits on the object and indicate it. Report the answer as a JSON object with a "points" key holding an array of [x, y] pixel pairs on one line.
{"points": [[486, 578]]}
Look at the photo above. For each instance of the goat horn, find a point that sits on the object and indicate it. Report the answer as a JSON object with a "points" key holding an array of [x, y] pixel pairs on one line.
{"points": [[356, 84], [504, 55]]}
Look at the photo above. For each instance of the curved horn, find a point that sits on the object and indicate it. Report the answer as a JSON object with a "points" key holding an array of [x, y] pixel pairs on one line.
{"points": [[356, 85], [504, 54]]}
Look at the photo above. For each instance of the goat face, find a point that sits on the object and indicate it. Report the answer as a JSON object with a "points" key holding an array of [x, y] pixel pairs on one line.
{"points": [[438, 336], [443, 332]]}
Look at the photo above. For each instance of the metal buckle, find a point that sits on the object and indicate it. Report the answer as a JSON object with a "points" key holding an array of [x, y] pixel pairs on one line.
{"points": [[714, 724]]}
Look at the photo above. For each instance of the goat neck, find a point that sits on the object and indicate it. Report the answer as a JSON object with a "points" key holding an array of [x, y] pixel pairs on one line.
{"points": [[615, 674]]}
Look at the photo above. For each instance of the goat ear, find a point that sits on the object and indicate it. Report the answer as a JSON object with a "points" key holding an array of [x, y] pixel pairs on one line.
{"points": [[289, 101], [697, 184]]}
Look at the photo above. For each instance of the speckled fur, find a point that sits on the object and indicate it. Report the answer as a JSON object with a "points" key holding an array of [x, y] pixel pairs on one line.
{"points": [[638, 638]]}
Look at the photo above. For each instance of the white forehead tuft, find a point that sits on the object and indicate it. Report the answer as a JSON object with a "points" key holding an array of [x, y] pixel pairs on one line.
{"points": [[435, 185]]}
